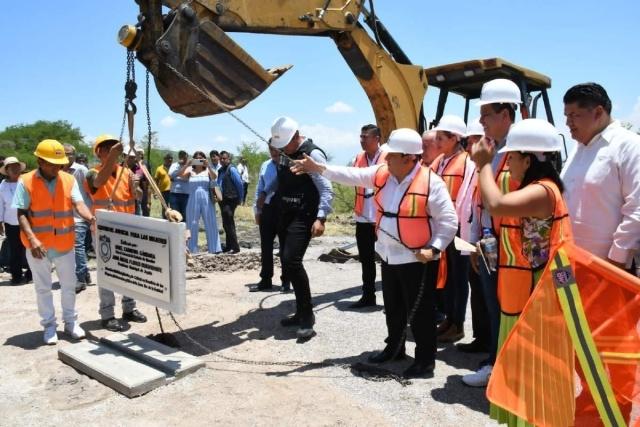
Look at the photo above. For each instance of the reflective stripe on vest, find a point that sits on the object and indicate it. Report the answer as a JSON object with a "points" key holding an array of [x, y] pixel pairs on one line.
{"points": [[515, 275], [414, 229], [453, 172], [361, 162], [122, 200], [50, 216]]}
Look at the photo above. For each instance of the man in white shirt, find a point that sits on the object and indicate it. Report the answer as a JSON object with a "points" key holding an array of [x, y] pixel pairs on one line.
{"points": [[415, 221], [243, 170], [602, 177]]}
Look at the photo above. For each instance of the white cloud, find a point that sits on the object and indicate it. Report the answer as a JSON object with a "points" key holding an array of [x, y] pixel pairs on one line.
{"points": [[168, 121], [340, 144], [339, 107], [634, 116], [220, 139]]}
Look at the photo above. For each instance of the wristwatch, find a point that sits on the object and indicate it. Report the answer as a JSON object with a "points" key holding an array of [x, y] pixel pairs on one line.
{"points": [[435, 250]]}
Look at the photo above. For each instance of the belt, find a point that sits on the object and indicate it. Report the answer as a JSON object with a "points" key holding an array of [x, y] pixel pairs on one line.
{"points": [[368, 196], [389, 214]]}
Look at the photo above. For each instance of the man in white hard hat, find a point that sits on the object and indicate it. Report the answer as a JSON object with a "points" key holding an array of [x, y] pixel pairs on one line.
{"points": [[499, 100], [415, 221], [602, 177], [305, 203]]}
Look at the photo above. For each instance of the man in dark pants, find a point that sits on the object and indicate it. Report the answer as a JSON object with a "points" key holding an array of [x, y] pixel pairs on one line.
{"points": [[305, 203], [479, 318], [266, 209], [232, 192], [364, 212], [415, 221]]}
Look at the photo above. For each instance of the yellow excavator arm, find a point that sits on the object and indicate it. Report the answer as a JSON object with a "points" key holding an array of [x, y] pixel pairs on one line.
{"points": [[200, 71]]}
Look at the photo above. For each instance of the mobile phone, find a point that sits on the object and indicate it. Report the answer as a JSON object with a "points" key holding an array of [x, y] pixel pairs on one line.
{"points": [[197, 162]]}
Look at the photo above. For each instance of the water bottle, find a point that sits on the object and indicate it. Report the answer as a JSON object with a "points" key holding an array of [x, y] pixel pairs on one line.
{"points": [[490, 248]]}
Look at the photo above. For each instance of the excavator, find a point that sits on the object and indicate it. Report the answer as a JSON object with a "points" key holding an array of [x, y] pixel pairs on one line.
{"points": [[199, 70]]}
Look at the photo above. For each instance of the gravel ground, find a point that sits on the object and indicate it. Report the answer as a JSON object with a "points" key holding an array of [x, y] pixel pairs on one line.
{"points": [[231, 322]]}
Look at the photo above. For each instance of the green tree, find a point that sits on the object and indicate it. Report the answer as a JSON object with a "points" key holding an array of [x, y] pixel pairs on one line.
{"points": [[21, 140]]}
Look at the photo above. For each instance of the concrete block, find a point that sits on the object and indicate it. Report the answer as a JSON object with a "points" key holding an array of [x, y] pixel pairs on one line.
{"points": [[112, 368], [173, 362]]}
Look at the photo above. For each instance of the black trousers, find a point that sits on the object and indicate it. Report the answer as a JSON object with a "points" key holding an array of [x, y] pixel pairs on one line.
{"points": [[400, 286], [366, 240], [245, 187], [479, 314], [17, 257], [228, 211], [456, 291], [295, 227], [268, 231]]}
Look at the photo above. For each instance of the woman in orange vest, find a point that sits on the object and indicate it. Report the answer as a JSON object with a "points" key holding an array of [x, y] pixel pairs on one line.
{"points": [[456, 169], [543, 221]]}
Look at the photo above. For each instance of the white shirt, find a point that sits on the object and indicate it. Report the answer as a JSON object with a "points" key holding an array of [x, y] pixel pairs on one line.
{"points": [[602, 191], [368, 207], [444, 222], [244, 172], [469, 169], [8, 214]]}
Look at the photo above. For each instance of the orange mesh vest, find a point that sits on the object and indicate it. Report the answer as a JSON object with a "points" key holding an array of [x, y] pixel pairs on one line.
{"points": [[123, 199], [50, 216], [414, 230], [361, 162], [515, 275], [453, 172]]}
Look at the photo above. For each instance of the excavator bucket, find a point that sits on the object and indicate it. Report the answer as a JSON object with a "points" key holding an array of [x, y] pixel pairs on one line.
{"points": [[202, 72]]}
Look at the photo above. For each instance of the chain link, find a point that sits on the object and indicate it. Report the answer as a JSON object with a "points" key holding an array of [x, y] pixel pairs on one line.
{"points": [[148, 117], [129, 73]]}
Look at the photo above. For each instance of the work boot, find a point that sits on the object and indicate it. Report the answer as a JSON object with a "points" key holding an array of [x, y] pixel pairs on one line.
{"points": [[80, 287], [365, 301], [134, 316], [50, 335], [263, 286], [286, 287], [453, 334], [419, 370], [305, 331], [443, 327], [74, 330], [386, 355], [290, 321], [113, 325]]}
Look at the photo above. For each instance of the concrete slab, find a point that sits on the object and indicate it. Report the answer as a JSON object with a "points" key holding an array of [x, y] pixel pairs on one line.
{"points": [[112, 368], [173, 362]]}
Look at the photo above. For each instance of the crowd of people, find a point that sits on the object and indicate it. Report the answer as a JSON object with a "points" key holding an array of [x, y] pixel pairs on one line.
{"points": [[494, 183]]}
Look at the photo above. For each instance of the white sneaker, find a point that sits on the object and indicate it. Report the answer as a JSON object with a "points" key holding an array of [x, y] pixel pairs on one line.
{"points": [[50, 335], [480, 378], [74, 330]]}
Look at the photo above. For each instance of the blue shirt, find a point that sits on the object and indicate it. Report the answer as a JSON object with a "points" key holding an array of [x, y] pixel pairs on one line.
{"points": [[235, 180], [79, 172], [178, 184], [22, 200], [267, 182]]}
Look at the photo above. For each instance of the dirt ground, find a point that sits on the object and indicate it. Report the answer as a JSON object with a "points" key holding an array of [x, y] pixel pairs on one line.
{"points": [[38, 389]]}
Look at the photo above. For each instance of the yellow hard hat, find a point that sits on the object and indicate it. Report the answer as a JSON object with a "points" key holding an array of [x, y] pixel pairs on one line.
{"points": [[51, 151], [103, 138]]}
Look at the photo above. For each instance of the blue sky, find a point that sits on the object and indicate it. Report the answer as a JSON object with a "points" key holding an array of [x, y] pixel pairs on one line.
{"points": [[60, 60]]}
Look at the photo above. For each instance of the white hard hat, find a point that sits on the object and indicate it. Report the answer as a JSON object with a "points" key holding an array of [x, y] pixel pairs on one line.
{"points": [[533, 136], [282, 130], [500, 91], [475, 128], [405, 141], [453, 124]]}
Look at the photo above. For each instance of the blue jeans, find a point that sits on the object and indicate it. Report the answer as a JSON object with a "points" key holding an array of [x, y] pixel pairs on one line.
{"points": [[490, 293], [81, 229]]}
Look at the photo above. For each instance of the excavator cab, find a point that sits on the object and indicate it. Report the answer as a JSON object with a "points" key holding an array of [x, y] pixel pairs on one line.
{"points": [[466, 79]]}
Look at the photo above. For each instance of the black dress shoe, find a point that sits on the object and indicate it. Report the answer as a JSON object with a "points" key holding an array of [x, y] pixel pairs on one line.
{"points": [[286, 287], [364, 302], [474, 346], [261, 287], [290, 321], [134, 316], [386, 355], [419, 370], [113, 325]]}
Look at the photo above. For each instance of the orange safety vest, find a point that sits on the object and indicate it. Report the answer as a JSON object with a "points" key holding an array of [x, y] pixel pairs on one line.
{"points": [[453, 173], [414, 229], [361, 162], [50, 216], [123, 199], [515, 274]]}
